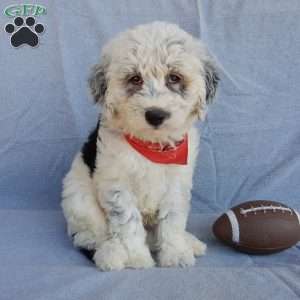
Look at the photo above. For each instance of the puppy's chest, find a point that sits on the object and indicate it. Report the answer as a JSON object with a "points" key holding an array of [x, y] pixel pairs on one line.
{"points": [[150, 187]]}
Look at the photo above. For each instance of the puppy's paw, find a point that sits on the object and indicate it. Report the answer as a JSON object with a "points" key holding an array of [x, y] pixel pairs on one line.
{"points": [[141, 259], [199, 248], [111, 255], [173, 255]]}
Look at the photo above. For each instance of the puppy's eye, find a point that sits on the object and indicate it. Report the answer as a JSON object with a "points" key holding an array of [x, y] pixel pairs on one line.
{"points": [[136, 80], [174, 79]]}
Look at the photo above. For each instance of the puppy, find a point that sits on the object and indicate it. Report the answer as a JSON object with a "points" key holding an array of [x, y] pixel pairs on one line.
{"points": [[128, 191]]}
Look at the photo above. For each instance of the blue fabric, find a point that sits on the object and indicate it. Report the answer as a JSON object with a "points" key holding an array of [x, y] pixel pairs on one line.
{"points": [[249, 148]]}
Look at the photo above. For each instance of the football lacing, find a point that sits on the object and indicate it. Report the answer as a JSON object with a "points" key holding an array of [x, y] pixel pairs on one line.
{"points": [[265, 208]]}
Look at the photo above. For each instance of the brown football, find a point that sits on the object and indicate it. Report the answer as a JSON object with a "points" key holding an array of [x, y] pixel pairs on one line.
{"points": [[259, 227]]}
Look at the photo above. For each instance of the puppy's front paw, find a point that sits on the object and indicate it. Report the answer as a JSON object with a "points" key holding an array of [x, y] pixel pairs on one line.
{"points": [[111, 255], [141, 260], [176, 254]]}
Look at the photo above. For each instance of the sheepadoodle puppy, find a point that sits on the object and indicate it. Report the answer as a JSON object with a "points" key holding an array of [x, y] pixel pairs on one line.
{"points": [[128, 192]]}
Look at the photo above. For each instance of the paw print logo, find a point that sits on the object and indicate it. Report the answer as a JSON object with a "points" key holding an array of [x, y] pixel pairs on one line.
{"points": [[24, 33]]}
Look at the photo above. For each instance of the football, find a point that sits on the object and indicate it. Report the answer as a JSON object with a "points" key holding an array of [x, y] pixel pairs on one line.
{"points": [[259, 227]]}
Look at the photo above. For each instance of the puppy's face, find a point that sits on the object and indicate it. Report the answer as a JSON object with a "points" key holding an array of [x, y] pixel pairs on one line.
{"points": [[154, 81]]}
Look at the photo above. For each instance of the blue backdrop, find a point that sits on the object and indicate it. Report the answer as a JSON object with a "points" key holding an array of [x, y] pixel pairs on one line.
{"points": [[250, 147]]}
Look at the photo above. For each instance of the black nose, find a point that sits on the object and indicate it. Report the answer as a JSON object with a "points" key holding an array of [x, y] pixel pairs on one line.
{"points": [[156, 116]]}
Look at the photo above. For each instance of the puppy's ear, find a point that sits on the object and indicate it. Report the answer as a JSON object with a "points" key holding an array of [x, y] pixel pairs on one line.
{"points": [[98, 80], [211, 79], [210, 72], [210, 76]]}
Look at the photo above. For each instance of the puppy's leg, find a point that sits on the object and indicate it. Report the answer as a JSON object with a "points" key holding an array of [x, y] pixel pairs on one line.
{"points": [[85, 219], [126, 246], [177, 247]]}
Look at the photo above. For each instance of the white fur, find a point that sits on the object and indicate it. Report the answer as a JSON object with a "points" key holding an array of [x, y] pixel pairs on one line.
{"points": [[105, 212]]}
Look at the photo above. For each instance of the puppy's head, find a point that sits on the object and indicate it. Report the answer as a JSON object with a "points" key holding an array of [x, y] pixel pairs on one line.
{"points": [[154, 81]]}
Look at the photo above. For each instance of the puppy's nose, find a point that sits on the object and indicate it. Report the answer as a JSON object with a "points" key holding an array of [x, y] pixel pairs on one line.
{"points": [[156, 116]]}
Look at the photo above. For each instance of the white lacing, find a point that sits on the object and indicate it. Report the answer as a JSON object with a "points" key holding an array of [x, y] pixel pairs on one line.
{"points": [[264, 209]]}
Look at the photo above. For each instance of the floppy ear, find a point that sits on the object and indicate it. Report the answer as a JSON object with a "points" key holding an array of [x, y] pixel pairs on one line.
{"points": [[98, 80], [210, 76], [211, 79]]}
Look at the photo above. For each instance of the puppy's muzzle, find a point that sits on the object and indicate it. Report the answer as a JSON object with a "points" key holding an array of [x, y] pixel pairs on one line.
{"points": [[156, 116]]}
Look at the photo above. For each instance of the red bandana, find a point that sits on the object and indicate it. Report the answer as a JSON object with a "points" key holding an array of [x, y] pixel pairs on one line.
{"points": [[161, 154]]}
